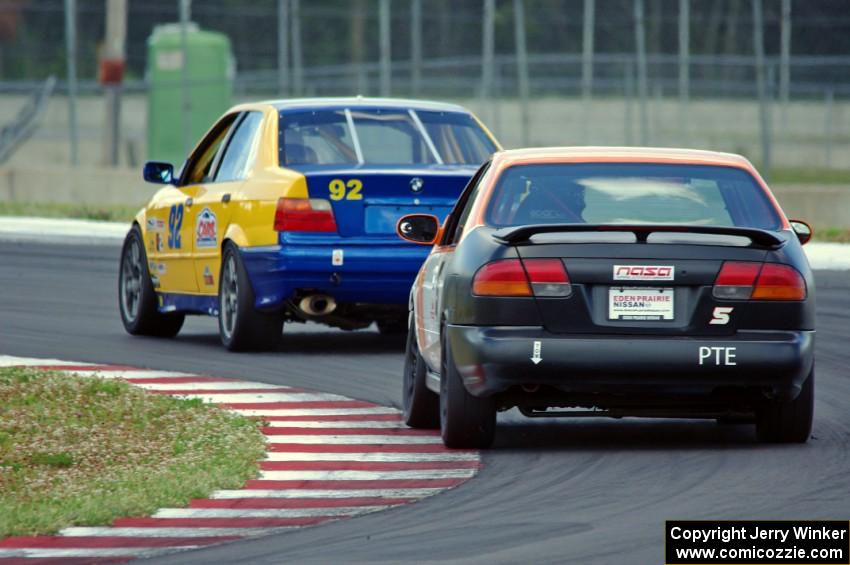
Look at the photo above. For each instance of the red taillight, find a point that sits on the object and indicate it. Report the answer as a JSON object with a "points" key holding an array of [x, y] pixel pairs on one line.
{"points": [[735, 280], [512, 277], [501, 278], [779, 282], [548, 277], [759, 281], [304, 214]]}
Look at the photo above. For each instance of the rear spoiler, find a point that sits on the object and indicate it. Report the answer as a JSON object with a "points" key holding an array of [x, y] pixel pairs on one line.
{"points": [[520, 234]]}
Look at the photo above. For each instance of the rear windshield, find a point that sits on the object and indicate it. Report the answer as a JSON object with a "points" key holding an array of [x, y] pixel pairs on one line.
{"points": [[381, 137], [615, 193]]}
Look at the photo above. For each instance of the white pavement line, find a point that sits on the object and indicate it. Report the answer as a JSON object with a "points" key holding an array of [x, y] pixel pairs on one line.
{"points": [[380, 433], [265, 512], [47, 553], [169, 532], [210, 385], [11, 361], [366, 475], [238, 397], [356, 439], [62, 230], [315, 411], [326, 493], [824, 255], [372, 457], [294, 424]]}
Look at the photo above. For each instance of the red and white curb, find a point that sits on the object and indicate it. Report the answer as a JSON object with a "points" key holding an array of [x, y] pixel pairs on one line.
{"points": [[328, 457]]}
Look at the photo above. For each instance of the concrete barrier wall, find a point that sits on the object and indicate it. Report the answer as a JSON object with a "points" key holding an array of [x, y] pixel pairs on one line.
{"points": [[823, 206], [65, 185], [810, 133]]}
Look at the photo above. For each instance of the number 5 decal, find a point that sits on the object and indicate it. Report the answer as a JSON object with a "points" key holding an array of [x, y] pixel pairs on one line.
{"points": [[342, 190], [721, 315], [175, 222]]}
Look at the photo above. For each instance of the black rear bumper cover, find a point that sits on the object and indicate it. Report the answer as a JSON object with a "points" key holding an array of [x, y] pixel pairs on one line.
{"points": [[491, 360]]}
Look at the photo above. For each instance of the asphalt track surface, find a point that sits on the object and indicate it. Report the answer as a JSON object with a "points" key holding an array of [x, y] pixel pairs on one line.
{"points": [[555, 491]]}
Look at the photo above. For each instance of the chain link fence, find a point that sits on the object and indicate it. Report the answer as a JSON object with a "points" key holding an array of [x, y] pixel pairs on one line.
{"points": [[338, 52]]}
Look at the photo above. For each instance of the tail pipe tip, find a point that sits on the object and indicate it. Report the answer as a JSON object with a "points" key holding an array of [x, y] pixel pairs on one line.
{"points": [[317, 304]]}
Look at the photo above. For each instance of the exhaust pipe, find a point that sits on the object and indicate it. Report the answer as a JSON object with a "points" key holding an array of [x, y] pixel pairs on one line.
{"points": [[531, 388], [317, 305]]}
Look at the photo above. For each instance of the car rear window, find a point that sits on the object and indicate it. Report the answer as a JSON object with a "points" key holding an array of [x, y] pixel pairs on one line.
{"points": [[617, 193], [458, 137], [381, 136]]}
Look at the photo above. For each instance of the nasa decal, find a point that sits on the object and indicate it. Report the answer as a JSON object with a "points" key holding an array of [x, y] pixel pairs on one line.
{"points": [[206, 230], [644, 272]]}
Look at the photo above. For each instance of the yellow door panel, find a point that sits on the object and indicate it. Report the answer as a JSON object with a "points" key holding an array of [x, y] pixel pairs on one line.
{"points": [[219, 196], [211, 216]]}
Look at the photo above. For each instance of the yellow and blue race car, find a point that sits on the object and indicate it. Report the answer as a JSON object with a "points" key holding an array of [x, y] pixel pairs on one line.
{"points": [[286, 211]]}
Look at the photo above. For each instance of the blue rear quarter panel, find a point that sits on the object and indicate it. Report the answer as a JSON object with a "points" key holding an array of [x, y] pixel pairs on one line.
{"points": [[377, 267]]}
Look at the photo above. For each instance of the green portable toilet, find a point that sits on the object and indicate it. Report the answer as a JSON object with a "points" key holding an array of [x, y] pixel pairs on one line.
{"points": [[210, 79]]}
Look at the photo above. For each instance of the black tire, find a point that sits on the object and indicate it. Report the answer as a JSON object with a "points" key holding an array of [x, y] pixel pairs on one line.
{"points": [[393, 327], [788, 421], [137, 302], [466, 421], [240, 326], [421, 407]]}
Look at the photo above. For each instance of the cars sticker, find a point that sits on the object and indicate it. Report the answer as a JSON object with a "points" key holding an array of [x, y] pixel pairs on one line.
{"points": [[158, 242], [175, 223], [717, 356], [208, 276], [337, 257], [155, 224], [536, 350], [206, 229], [720, 316], [643, 272], [339, 189]]}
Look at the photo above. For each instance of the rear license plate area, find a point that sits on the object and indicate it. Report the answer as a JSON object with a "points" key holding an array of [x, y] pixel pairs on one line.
{"points": [[383, 219], [640, 304]]}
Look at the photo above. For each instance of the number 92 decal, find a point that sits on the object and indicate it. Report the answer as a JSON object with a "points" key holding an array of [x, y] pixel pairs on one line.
{"points": [[345, 190], [175, 222]]}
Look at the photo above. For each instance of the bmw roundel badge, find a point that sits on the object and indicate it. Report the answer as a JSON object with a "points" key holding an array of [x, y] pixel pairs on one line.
{"points": [[416, 184]]}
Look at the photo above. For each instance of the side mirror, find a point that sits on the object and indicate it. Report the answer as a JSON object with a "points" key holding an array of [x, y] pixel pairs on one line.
{"points": [[158, 172], [419, 228], [803, 230]]}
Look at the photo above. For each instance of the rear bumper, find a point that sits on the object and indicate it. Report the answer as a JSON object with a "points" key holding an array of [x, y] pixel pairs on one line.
{"points": [[494, 359], [373, 271]]}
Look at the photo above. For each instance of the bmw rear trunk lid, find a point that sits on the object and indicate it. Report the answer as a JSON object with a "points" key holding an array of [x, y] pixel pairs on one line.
{"points": [[369, 200]]}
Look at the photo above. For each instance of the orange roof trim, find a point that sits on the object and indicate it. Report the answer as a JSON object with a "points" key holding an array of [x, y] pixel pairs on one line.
{"points": [[542, 155]]}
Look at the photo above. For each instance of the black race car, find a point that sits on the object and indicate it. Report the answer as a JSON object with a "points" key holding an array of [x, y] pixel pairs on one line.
{"points": [[611, 282]]}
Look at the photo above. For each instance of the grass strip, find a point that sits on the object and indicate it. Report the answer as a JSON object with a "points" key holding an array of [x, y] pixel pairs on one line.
{"points": [[814, 176], [834, 235], [80, 451]]}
